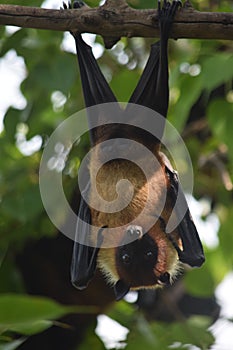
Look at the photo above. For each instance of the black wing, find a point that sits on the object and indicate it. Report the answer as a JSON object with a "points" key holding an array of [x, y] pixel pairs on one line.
{"points": [[95, 87], [152, 90], [192, 251], [84, 258]]}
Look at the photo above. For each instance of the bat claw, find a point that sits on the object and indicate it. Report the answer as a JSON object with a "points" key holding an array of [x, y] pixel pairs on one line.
{"points": [[167, 4], [65, 6], [78, 4], [177, 3]]}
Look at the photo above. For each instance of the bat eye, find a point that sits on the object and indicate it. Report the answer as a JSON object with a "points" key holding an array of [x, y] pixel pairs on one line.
{"points": [[149, 255], [126, 258]]}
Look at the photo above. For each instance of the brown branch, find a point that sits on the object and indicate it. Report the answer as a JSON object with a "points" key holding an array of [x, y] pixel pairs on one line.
{"points": [[114, 22]]}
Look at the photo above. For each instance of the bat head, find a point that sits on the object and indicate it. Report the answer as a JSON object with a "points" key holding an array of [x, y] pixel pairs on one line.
{"points": [[137, 263]]}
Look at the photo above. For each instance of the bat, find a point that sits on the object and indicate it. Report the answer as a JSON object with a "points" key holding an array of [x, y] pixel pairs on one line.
{"points": [[141, 252]]}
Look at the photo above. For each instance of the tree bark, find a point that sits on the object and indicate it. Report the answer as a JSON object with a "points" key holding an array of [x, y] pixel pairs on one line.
{"points": [[112, 22]]}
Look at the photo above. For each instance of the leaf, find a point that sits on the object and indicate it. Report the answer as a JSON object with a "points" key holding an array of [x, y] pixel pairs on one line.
{"points": [[226, 238], [190, 90], [11, 119], [217, 70], [200, 282], [52, 75], [17, 309], [91, 341], [12, 344], [124, 91], [3, 251], [145, 4], [31, 327], [13, 40], [23, 206], [219, 116], [30, 314], [159, 336]]}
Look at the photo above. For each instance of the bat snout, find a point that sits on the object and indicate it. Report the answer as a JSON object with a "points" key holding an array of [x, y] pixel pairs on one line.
{"points": [[134, 232], [164, 279]]}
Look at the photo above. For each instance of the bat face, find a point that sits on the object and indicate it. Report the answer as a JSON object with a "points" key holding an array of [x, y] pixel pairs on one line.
{"points": [[137, 262], [149, 261]]}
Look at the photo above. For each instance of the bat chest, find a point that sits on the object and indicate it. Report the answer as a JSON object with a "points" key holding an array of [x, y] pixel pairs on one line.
{"points": [[119, 184], [122, 191]]}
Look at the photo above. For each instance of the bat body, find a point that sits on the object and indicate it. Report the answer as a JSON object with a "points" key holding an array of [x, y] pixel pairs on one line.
{"points": [[138, 254]]}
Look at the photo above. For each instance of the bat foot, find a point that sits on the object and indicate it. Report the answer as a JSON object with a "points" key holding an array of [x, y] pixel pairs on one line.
{"points": [[168, 8], [166, 13], [78, 4], [65, 6]]}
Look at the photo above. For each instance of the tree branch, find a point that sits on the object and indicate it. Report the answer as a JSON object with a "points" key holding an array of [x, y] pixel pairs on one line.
{"points": [[113, 22]]}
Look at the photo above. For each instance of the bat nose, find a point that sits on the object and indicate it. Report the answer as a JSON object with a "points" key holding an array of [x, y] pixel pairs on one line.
{"points": [[134, 232], [164, 279]]}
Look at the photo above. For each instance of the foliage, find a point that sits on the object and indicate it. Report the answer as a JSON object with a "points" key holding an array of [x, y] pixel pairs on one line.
{"points": [[201, 109]]}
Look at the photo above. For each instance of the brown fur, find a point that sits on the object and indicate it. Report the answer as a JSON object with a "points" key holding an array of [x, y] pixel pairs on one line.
{"points": [[146, 192]]}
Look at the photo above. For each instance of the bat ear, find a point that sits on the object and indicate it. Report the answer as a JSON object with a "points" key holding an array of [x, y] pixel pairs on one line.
{"points": [[121, 289]]}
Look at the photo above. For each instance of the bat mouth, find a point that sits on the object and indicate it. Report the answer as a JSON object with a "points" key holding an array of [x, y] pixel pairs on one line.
{"points": [[152, 281], [121, 288]]}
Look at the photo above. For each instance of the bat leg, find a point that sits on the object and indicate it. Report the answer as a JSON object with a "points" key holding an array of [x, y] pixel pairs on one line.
{"points": [[65, 6], [152, 89], [78, 4]]}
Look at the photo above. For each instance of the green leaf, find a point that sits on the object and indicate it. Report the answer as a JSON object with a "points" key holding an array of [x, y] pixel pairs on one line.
{"points": [[124, 91], [13, 40], [29, 314], [11, 345], [219, 116], [200, 281], [217, 70], [3, 251], [159, 336], [11, 119], [226, 238], [18, 309], [25, 205], [31, 327], [91, 341], [190, 90]]}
